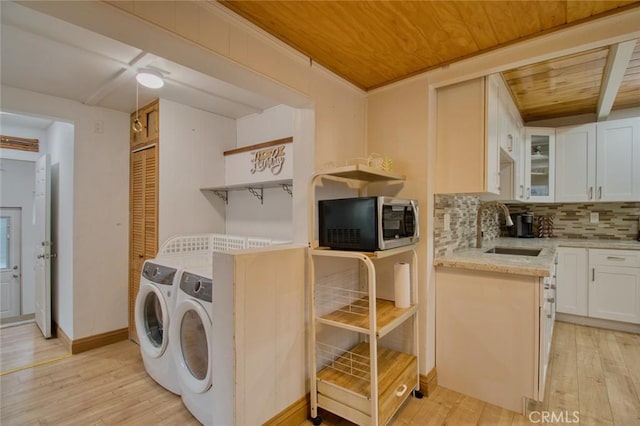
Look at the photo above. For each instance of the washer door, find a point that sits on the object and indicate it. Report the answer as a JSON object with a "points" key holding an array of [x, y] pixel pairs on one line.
{"points": [[191, 330], [152, 320]]}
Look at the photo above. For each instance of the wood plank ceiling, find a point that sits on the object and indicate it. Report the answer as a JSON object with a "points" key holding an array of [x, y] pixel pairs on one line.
{"points": [[374, 43]]}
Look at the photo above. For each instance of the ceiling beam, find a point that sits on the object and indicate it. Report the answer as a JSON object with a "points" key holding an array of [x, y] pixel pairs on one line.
{"points": [[125, 74], [617, 63]]}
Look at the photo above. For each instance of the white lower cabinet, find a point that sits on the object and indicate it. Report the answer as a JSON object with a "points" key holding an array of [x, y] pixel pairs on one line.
{"points": [[572, 281], [599, 283], [614, 285]]}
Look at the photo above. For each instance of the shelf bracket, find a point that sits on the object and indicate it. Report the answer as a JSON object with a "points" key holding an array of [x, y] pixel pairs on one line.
{"points": [[287, 188], [257, 192], [224, 195]]}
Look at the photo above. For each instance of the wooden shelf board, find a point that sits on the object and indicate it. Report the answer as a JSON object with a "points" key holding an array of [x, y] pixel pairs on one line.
{"points": [[387, 315], [326, 251], [361, 173], [390, 365]]}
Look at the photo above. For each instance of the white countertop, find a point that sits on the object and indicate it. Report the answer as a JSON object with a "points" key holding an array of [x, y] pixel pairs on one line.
{"points": [[541, 265]]}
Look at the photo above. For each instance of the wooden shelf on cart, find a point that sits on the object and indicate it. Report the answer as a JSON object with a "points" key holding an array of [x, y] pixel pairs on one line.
{"points": [[356, 316], [390, 365]]}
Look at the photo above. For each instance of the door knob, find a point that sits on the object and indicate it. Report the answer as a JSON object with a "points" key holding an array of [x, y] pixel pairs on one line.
{"points": [[40, 256], [15, 268], [16, 276]]}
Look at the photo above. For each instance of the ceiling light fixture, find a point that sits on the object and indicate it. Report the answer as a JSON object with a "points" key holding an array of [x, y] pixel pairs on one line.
{"points": [[150, 78]]}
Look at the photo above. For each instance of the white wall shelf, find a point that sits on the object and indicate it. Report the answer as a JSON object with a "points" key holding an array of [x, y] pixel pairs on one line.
{"points": [[256, 189]]}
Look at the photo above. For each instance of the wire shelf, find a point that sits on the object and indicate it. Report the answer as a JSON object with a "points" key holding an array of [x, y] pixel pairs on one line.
{"points": [[343, 361], [338, 299], [209, 243], [186, 244], [253, 242]]}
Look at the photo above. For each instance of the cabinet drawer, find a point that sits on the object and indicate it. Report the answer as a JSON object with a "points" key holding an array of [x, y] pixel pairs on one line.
{"points": [[629, 258], [392, 397]]}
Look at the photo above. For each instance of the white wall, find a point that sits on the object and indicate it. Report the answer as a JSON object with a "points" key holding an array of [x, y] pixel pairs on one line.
{"points": [[191, 145], [100, 209], [24, 132], [17, 188], [60, 136], [270, 124], [274, 218]]}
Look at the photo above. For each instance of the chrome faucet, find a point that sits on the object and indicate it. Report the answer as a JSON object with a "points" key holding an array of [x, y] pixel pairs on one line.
{"points": [[481, 209]]}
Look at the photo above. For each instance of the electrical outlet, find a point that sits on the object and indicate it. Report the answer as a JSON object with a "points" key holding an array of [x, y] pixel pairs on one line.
{"points": [[594, 217], [447, 222]]}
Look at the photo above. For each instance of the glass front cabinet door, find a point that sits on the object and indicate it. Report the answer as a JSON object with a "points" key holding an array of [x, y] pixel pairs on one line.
{"points": [[539, 164]]}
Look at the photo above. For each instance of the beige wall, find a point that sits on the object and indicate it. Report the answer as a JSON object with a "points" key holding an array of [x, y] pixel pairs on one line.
{"points": [[397, 126]]}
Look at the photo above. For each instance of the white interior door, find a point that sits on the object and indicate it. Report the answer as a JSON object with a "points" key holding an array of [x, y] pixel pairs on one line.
{"points": [[10, 264], [43, 251]]}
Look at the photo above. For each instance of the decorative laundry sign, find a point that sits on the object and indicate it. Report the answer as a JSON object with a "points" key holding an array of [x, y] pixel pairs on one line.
{"points": [[271, 158], [259, 163]]}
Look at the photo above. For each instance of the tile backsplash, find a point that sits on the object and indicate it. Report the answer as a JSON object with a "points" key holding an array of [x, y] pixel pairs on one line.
{"points": [[617, 221], [462, 210]]}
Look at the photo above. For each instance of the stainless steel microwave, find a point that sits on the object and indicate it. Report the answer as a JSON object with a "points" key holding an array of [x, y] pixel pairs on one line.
{"points": [[367, 223]]}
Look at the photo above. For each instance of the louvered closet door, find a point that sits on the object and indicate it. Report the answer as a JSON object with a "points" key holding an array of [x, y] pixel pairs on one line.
{"points": [[143, 221]]}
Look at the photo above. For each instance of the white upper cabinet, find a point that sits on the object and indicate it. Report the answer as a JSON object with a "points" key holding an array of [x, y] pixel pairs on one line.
{"points": [[539, 164], [598, 162], [576, 163], [618, 160]]}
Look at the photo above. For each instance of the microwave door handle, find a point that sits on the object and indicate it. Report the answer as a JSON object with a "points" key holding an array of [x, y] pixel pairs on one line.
{"points": [[416, 222], [380, 221]]}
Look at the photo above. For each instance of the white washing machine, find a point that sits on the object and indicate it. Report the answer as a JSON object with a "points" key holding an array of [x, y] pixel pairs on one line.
{"points": [[190, 333], [154, 308]]}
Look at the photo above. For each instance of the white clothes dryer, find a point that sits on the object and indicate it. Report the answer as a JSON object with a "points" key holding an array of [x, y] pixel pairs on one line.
{"points": [[191, 333], [154, 308]]}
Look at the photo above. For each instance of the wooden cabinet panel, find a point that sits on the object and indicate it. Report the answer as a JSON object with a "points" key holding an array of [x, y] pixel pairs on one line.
{"points": [[143, 221], [149, 125]]}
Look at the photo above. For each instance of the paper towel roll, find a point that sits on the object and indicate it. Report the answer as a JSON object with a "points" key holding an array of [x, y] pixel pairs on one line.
{"points": [[402, 284]]}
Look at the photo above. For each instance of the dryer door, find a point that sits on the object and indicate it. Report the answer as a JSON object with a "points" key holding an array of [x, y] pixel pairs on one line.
{"points": [[152, 320], [191, 331]]}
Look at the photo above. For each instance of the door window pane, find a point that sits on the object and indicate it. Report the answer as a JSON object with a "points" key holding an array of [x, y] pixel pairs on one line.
{"points": [[4, 242]]}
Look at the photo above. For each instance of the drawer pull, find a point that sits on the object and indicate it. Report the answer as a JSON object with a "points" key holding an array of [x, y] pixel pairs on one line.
{"points": [[615, 258], [401, 390]]}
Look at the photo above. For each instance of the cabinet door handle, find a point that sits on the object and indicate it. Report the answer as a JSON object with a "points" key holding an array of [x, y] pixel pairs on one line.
{"points": [[521, 191], [615, 258], [528, 193], [551, 299], [593, 274], [591, 192], [599, 193]]}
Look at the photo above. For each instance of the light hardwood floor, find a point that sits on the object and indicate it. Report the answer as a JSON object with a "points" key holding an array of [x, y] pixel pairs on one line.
{"points": [[593, 371], [23, 345]]}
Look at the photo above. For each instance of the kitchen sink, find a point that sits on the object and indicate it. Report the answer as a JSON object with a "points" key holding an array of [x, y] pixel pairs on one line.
{"points": [[513, 250]]}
